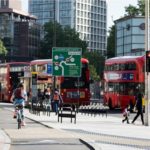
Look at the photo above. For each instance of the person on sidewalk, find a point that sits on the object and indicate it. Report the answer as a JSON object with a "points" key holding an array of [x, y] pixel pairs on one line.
{"points": [[139, 107], [19, 96], [47, 94], [57, 99], [126, 113]]}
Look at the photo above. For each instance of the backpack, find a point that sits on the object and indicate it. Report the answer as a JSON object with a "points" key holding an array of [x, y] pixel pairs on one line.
{"points": [[56, 97], [17, 93]]}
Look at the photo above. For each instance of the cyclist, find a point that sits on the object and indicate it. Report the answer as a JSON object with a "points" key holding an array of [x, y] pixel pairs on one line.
{"points": [[19, 96]]}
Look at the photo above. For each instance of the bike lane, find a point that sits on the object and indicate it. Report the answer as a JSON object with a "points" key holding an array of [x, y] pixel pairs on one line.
{"points": [[34, 135]]}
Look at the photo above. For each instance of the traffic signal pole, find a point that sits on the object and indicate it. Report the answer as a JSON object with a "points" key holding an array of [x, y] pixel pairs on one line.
{"points": [[147, 62], [54, 40]]}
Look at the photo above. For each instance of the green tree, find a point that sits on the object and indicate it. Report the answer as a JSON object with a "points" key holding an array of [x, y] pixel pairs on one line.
{"points": [[93, 73], [3, 50], [136, 10], [130, 11], [65, 37], [111, 42], [97, 61], [141, 6]]}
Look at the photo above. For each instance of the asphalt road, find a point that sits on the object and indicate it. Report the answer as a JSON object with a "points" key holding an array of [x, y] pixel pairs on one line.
{"points": [[35, 136]]}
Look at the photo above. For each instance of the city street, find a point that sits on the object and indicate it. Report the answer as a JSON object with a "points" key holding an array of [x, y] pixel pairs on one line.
{"points": [[100, 132], [36, 136]]}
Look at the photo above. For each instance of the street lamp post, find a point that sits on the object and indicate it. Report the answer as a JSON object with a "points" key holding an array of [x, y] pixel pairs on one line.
{"points": [[147, 76], [54, 40]]}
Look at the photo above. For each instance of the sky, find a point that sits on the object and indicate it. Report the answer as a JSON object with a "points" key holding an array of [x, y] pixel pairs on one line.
{"points": [[115, 9]]}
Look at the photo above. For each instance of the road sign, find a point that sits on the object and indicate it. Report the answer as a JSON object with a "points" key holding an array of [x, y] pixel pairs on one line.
{"points": [[34, 84], [66, 61], [49, 68]]}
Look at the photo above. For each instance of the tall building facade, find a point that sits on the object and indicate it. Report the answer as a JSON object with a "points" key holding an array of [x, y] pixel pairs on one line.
{"points": [[130, 36], [15, 4], [20, 34], [88, 17]]}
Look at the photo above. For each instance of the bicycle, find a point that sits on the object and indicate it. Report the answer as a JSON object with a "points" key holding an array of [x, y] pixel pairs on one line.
{"points": [[18, 109]]}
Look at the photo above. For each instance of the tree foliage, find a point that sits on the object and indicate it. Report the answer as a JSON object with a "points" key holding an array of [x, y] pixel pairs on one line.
{"points": [[111, 42], [65, 37], [96, 61], [3, 50], [93, 73], [134, 11], [130, 11]]}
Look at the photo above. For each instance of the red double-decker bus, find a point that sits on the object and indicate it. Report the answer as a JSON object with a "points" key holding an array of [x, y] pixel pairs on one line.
{"points": [[72, 89], [76, 89], [43, 69], [123, 76], [10, 75]]}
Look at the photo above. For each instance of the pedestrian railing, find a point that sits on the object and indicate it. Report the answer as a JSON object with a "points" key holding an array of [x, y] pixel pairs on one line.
{"points": [[67, 111], [94, 108]]}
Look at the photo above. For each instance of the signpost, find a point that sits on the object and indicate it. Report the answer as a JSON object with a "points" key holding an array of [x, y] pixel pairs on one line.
{"points": [[49, 68], [66, 62], [147, 73], [34, 88]]}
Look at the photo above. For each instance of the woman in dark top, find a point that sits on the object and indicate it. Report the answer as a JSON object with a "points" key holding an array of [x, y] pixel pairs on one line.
{"points": [[139, 107]]}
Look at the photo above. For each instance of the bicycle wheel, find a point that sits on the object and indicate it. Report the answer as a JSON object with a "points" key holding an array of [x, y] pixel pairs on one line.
{"points": [[19, 120], [19, 124]]}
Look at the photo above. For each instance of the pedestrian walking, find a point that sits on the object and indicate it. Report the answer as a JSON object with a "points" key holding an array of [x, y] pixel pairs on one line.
{"points": [[56, 100], [126, 113], [139, 107], [47, 94]]}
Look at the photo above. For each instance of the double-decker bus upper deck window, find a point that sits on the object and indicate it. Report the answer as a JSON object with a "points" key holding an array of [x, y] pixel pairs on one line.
{"points": [[110, 87], [74, 82], [122, 67], [3, 70], [106, 68], [41, 68], [33, 68], [109, 68], [131, 66], [117, 67]]}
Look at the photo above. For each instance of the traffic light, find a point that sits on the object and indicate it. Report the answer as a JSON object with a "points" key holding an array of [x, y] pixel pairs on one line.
{"points": [[147, 61]]}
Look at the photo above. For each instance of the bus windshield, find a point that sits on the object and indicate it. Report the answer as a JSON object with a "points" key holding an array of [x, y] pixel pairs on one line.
{"points": [[74, 82]]}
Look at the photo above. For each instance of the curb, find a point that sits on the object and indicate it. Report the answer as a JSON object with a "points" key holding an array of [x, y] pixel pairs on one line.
{"points": [[39, 122], [7, 141], [87, 144], [90, 144]]}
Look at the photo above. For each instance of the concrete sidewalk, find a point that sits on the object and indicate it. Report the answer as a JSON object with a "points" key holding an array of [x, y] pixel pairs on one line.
{"points": [[101, 132], [4, 141], [105, 133]]}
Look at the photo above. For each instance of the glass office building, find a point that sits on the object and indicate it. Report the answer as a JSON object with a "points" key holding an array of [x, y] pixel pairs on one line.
{"points": [[88, 17], [20, 34], [130, 36]]}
